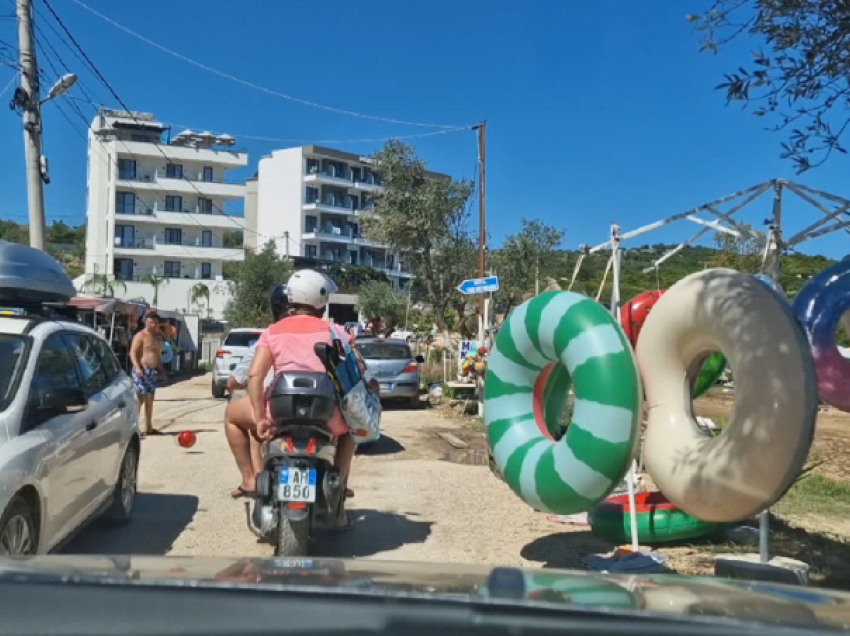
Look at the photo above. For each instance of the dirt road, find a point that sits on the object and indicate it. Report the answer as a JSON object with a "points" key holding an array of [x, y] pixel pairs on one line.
{"points": [[411, 503]]}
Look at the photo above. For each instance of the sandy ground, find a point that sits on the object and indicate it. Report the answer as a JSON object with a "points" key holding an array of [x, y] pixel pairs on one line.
{"points": [[413, 501]]}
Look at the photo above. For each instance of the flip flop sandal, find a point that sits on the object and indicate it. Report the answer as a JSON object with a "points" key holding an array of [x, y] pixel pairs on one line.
{"points": [[349, 494], [242, 492]]}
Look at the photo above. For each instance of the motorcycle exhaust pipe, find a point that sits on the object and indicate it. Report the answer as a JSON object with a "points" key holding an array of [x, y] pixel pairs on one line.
{"points": [[248, 522]]}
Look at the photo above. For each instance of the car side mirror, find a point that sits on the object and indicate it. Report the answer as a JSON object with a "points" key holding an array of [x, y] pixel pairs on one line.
{"points": [[64, 400], [420, 359]]}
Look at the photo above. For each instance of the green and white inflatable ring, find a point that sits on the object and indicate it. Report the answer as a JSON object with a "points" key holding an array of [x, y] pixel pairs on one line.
{"points": [[545, 342]]}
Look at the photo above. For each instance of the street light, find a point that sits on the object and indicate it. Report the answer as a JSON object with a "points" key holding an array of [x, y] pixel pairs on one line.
{"points": [[61, 86]]}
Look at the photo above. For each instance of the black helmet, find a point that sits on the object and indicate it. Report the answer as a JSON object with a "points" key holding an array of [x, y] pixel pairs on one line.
{"points": [[279, 301]]}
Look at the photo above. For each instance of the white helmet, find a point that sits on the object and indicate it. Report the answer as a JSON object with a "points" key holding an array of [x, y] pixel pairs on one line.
{"points": [[311, 288]]}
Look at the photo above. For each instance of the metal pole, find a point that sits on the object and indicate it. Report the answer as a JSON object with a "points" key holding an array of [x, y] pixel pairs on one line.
{"points": [[32, 124], [481, 227], [286, 243]]}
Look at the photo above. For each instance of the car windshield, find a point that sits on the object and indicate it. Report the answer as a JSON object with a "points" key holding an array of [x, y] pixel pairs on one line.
{"points": [[13, 355], [384, 351], [242, 338]]}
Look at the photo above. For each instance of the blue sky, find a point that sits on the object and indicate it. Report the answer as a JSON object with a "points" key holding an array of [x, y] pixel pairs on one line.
{"points": [[596, 111]]}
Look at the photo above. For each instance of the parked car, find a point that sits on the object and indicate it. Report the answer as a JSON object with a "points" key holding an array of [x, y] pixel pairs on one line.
{"points": [[236, 344], [393, 365], [69, 437]]}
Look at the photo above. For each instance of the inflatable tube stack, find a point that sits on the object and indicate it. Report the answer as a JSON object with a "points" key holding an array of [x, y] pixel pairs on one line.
{"points": [[560, 338]]}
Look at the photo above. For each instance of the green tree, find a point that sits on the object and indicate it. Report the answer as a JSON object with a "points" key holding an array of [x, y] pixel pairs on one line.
{"points": [[102, 285], [378, 301], [250, 288], [200, 292], [156, 281], [350, 278], [424, 217], [526, 259], [743, 253], [800, 79]]}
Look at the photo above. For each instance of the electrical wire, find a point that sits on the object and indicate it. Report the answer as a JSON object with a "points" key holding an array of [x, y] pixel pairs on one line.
{"points": [[109, 87], [244, 82], [6, 87]]}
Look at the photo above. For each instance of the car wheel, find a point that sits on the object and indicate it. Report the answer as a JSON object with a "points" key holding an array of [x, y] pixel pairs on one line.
{"points": [[124, 498], [217, 390], [18, 533]]}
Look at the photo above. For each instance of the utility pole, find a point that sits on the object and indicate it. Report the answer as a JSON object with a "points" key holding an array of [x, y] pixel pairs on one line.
{"points": [[286, 243], [32, 124], [481, 228]]}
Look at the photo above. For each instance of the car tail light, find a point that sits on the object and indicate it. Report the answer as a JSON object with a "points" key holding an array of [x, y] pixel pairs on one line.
{"points": [[411, 368], [221, 353]]}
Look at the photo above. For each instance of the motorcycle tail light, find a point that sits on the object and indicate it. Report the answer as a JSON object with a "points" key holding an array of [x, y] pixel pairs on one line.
{"points": [[311, 447]]}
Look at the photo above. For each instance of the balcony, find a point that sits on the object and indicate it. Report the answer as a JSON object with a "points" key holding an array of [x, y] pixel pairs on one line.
{"points": [[191, 216], [140, 275], [187, 248], [342, 180], [228, 157], [188, 184]]}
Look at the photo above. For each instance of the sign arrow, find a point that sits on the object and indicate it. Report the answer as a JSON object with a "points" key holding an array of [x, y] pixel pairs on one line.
{"points": [[487, 285]]}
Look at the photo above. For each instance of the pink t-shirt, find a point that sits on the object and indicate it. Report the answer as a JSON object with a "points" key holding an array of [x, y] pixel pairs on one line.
{"points": [[291, 342]]}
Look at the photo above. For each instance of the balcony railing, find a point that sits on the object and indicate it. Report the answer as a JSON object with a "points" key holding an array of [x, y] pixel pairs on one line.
{"points": [[347, 175], [144, 210], [147, 177], [152, 243], [141, 275]]}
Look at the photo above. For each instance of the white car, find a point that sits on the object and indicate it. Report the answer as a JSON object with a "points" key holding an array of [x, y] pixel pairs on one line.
{"points": [[69, 437], [236, 344]]}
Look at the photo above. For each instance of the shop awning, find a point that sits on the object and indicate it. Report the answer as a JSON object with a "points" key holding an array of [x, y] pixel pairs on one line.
{"points": [[107, 306]]}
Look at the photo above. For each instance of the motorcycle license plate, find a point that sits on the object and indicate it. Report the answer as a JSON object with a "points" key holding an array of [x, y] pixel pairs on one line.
{"points": [[295, 484]]}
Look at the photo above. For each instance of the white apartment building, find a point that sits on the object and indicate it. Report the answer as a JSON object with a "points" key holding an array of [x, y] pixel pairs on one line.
{"points": [[315, 196], [155, 205]]}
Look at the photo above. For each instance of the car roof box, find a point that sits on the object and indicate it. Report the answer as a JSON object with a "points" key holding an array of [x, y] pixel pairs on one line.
{"points": [[28, 275]]}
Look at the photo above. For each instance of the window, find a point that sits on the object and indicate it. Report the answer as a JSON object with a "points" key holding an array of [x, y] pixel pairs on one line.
{"points": [[242, 338], [110, 364], [205, 206], [125, 203], [174, 171], [206, 270], [352, 258], [310, 251], [123, 268], [312, 166], [208, 174], [14, 355], [127, 169], [355, 203], [173, 204], [312, 195], [206, 238], [384, 351], [55, 369], [92, 372], [125, 235], [173, 236], [172, 269], [310, 223]]}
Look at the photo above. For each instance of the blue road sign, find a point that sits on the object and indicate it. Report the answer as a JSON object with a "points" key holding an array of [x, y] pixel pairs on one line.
{"points": [[486, 285]]}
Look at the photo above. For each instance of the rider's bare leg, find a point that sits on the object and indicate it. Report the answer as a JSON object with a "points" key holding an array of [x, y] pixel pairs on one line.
{"points": [[344, 455], [238, 421]]}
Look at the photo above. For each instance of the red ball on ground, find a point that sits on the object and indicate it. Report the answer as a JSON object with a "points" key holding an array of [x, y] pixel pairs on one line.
{"points": [[187, 439]]}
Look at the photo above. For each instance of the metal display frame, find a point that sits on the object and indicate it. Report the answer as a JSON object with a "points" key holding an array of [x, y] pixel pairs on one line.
{"points": [[832, 220]]}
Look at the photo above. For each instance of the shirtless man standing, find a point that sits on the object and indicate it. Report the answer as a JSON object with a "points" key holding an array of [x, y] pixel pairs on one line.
{"points": [[145, 354]]}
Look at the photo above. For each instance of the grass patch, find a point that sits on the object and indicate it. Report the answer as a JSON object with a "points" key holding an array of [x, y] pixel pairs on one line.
{"points": [[815, 494]]}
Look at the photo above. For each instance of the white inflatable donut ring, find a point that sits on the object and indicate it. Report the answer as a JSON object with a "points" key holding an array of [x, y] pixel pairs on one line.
{"points": [[767, 439]]}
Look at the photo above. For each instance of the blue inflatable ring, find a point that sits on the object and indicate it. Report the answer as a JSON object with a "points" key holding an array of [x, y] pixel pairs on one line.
{"points": [[167, 353]]}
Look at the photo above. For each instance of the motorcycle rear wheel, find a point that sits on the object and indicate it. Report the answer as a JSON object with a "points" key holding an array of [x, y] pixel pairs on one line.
{"points": [[293, 537]]}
